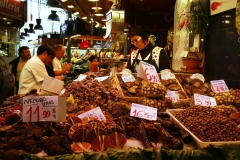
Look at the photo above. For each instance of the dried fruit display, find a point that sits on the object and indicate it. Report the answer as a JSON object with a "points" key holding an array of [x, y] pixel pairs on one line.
{"points": [[226, 110], [160, 104], [224, 98], [92, 92], [208, 124], [192, 86], [154, 90]]}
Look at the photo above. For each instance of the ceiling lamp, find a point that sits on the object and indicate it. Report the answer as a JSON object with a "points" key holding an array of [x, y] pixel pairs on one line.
{"points": [[75, 13], [93, 0], [97, 12], [99, 8], [70, 6], [53, 16], [84, 17], [104, 20]]}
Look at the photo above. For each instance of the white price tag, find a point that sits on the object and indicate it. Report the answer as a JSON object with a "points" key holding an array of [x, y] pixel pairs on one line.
{"points": [[148, 72], [96, 113], [201, 100], [167, 75], [81, 77], [219, 86], [100, 79], [144, 112], [44, 108], [198, 76], [128, 78], [172, 96]]}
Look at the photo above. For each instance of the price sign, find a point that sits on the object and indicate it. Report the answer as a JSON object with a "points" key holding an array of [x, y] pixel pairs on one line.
{"points": [[81, 77], [148, 72], [172, 96], [219, 86], [96, 113], [198, 76], [100, 79], [202, 100], [128, 78], [144, 112], [167, 75], [43, 108]]}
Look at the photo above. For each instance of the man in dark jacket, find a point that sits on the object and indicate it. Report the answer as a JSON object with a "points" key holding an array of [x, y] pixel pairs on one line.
{"points": [[17, 64]]}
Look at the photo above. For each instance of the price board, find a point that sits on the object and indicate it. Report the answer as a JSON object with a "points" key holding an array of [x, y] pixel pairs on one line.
{"points": [[219, 86], [201, 100], [198, 76], [44, 108], [95, 112], [144, 112], [148, 72], [128, 78], [172, 96]]}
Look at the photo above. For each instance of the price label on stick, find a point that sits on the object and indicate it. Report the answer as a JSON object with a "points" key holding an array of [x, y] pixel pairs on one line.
{"points": [[198, 76], [95, 112], [144, 112], [148, 72], [167, 75], [43, 108], [128, 78], [219, 86], [172, 96], [201, 100]]}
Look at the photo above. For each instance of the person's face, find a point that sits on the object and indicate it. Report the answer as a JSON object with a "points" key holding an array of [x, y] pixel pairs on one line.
{"points": [[47, 58], [137, 42], [61, 53], [26, 54]]}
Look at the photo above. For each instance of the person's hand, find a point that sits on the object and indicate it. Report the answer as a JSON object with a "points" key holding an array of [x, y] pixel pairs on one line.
{"points": [[67, 67]]}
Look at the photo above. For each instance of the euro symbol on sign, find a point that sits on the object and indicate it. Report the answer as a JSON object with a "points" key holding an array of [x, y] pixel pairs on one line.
{"points": [[54, 110]]}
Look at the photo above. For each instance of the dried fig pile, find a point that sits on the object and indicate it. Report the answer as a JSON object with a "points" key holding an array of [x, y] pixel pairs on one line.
{"points": [[192, 86], [173, 85], [155, 96], [92, 92], [132, 89]]}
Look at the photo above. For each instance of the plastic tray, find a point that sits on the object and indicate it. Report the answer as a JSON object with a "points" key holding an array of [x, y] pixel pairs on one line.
{"points": [[198, 142]]}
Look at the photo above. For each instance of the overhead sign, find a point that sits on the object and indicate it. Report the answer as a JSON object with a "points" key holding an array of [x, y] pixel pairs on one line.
{"points": [[12, 8]]}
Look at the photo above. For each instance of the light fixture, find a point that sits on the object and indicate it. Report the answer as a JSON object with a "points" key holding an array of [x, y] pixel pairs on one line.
{"points": [[31, 28], [98, 14], [38, 20], [103, 27], [75, 13], [84, 17], [97, 25], [99, 8], [8, 22], [70, 6], [5, 19], [53, 16], [104, 20], [63, 0], [93, 0]]}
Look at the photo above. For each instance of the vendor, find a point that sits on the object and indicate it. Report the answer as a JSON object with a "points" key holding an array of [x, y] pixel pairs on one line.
{"points": [[93, 67], [146, 51]]}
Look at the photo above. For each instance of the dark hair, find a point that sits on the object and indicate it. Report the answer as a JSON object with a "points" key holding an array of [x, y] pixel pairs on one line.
{"points": [[45, 47], [21, 49], [92, 57], [140, 31]]}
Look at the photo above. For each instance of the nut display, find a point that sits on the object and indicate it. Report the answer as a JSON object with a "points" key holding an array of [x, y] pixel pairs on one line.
{"points": [[224, 98], [226, 110], [208, 124], [154, 90], [161, 104]]}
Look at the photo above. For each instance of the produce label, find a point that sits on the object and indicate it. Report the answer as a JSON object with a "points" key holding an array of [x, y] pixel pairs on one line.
{"points": [[148, 72], [44, 108], [128, 78], [198, 76], [201, 100], [96, 113], [219, 86], [81, 77], [144, 112], [172, 96], [167, 75], [52, 85]]}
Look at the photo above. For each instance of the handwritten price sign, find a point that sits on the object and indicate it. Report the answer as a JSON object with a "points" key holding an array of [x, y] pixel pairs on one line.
{"points": [[144, 112], [172, 96], [219, 86], [167, 75], [201, 100], [41, 108], [148, 72], [128, 78], [198, 76], [96, 113]]}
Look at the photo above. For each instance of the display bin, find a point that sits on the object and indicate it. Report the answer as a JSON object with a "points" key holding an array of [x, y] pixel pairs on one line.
{"points": [[117, 85], [200, 144]]}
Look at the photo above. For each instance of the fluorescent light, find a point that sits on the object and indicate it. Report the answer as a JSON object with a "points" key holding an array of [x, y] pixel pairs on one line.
{"points": [[93, 0], [98, 14], [97, 7], [63, 0], [70, 6], [75, 13], [84, 17], [103, 20], [5, 19]]}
